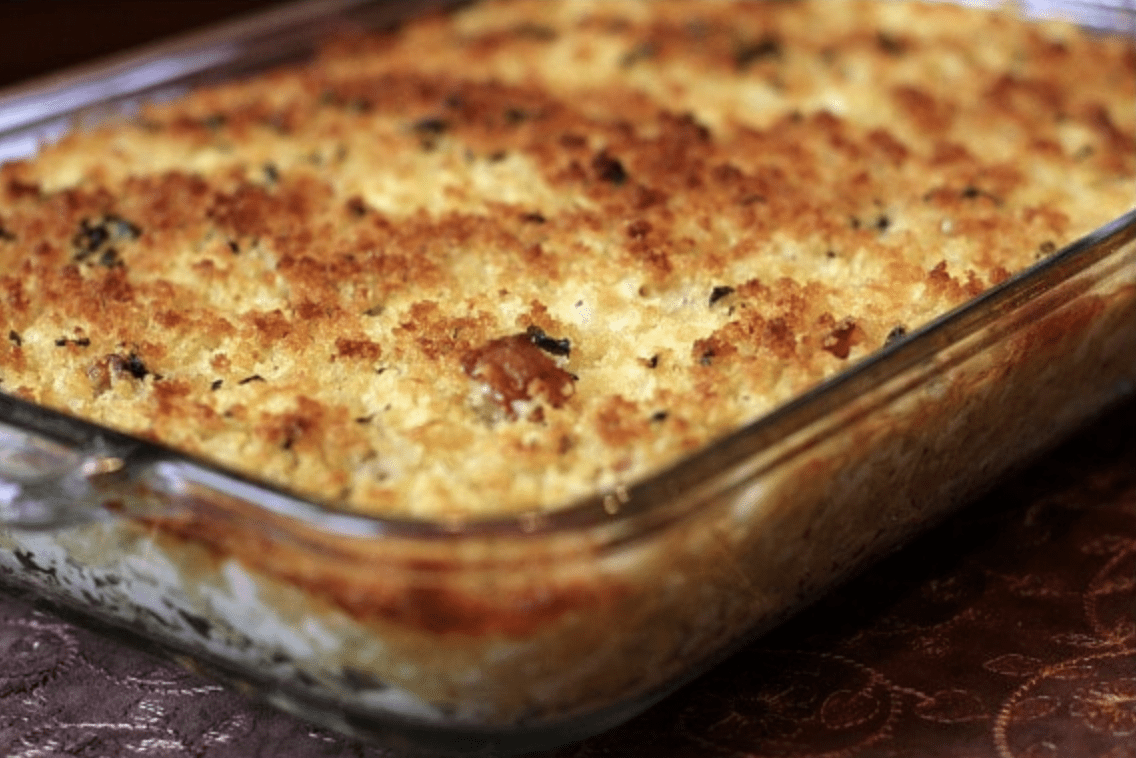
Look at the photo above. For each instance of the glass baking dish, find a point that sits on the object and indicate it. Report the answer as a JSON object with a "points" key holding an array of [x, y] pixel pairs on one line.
{"points": [[520, 633]]}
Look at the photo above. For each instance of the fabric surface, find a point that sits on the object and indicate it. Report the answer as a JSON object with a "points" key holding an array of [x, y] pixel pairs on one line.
{"points": [[1008, 631]]}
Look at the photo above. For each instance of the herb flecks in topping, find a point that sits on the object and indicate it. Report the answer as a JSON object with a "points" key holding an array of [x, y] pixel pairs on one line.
{"points": [[751, 52], [971, 192], [429, 130], [128, 364], [216, 384], [97, 239], [431, 126], [720, 292], [136, 367], [109, 258], [15, 338], [89, 238], [562, 347], [609, 169], [250, 379]]}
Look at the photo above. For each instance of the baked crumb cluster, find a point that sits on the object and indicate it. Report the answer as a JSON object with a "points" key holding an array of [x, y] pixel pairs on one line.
{"points": [[497, 260]]}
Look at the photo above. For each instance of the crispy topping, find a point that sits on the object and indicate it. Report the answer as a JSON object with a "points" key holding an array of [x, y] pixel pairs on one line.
{"points": [[363, 349], [707, 208]]}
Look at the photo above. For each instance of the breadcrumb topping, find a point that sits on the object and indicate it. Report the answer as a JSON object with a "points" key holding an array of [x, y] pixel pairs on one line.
{"points": [[501, 259]]}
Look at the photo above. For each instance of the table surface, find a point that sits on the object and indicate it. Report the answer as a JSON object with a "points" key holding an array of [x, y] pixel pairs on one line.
{"points": [[1008, 631]]}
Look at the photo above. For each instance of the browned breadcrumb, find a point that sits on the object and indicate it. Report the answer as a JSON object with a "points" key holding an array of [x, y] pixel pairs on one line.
{"points": [[501, 259]]}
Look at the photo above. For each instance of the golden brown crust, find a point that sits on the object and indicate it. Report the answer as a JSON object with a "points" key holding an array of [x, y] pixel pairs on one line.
{"points": [[329, 276]]}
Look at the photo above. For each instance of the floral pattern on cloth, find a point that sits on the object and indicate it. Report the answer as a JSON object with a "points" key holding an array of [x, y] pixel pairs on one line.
{"points": [[66, 691], [1007, 632]]}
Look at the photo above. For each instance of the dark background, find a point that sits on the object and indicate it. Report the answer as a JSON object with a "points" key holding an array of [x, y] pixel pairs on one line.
{"points": [[40, 36]]}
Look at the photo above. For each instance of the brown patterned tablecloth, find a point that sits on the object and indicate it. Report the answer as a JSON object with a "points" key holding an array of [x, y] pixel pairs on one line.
{"points": [[1008, 631]]}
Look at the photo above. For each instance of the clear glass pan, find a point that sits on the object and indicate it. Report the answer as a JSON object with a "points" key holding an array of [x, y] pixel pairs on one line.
{"points": [[525, 632]]}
